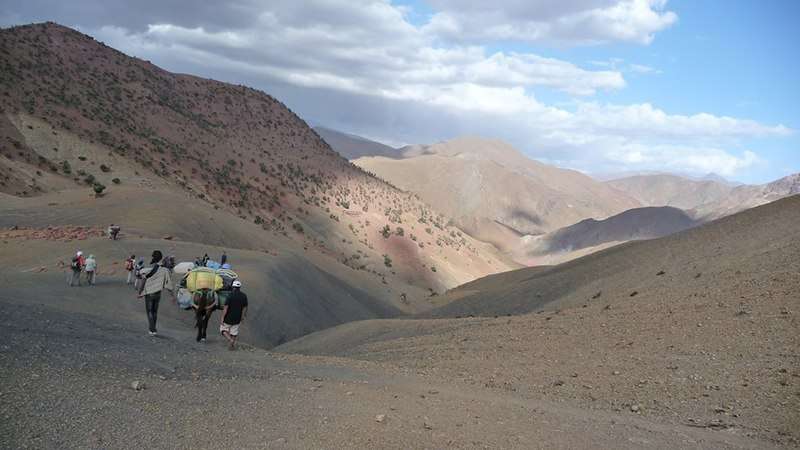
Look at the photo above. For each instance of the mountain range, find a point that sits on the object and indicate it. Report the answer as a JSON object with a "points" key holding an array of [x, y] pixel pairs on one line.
{"points": [[77, 115]]}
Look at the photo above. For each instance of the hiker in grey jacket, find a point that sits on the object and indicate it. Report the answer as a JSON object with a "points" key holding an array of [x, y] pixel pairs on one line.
{"points": [[154, 280]]}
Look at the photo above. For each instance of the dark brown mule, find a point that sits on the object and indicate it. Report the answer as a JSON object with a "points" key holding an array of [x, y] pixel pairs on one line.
{"points": [[204, 303]]}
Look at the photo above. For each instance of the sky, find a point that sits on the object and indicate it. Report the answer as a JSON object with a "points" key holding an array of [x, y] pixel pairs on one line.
{"points": [[600, 86]]}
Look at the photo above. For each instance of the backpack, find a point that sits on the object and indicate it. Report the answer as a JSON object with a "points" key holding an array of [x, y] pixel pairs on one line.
{"points": [[76, 263], [129, 265]]}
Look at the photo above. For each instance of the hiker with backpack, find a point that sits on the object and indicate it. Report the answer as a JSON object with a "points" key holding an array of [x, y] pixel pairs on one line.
{"points": [[233, 313], [129, 266], [155, 280], [91, 270], [76, 267]]}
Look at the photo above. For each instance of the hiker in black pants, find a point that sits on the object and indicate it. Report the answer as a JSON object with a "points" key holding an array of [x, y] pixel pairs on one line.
{"points": [[154, 281]]}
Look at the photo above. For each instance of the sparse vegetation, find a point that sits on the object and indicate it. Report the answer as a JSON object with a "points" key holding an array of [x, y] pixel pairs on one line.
{"points": [[98, 189]]}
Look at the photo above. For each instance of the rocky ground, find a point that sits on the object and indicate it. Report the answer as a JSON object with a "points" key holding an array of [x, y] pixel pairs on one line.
{"points": [[79, 371], [699, 329]]}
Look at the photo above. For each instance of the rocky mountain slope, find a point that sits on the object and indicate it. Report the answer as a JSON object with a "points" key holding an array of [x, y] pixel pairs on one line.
{"points": [[699, 328], [78, 112], [631, 225], [351, 146], [671, 190], [479, 182], [748, 196]]}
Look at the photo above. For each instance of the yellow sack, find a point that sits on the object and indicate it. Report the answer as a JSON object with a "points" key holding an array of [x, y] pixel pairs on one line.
{"points": [[201, 278]]}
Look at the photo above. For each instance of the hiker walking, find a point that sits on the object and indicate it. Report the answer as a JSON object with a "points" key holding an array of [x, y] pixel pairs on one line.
{"points": [[76, 267], [233, 313], [113, 231], [223, 259], [137, 273], [91, 270], [130, 263], [155, 280]]}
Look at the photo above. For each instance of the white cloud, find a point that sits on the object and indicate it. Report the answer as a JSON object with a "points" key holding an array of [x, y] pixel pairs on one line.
{"points": [[641, 68], [570, 22], [362, 66], [684, 160]]}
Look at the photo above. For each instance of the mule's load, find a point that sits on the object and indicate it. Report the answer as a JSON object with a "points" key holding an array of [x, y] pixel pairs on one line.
{"points": [[203, 278]]}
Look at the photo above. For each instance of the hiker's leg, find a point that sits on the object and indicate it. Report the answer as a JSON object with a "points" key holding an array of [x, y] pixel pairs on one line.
{"points": [[227, 336], [151, 304], [148, 306], [156, 298]]}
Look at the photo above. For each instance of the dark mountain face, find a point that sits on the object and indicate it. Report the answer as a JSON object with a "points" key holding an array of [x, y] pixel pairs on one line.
{"points": [[353, 147]]}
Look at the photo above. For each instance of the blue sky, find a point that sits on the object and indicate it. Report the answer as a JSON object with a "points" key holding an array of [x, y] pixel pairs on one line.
{"points": [[596, 85], [736, 58]]}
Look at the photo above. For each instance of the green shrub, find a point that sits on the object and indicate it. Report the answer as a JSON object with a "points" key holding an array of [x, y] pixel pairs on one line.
{"points": [[116, 181]]}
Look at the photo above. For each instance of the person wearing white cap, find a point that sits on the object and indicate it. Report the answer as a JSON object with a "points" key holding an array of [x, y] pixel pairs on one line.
{"points": [[233, 313], [76, 265]]}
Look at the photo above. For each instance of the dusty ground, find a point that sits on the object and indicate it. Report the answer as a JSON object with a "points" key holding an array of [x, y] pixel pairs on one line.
{"points": [[70, 357], [698, 329]]}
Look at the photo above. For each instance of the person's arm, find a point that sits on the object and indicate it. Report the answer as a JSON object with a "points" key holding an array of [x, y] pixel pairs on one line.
{"points": [[224, 313]]}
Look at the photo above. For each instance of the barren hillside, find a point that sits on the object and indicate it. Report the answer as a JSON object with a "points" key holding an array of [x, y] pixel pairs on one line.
{"points": [[699, 328], [631, 225], [671, 190], [78, 113], [747, 196]]}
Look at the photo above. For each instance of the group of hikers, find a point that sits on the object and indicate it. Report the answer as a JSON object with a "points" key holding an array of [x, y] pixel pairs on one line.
{"points": [[81, 264], [149, 282]]}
